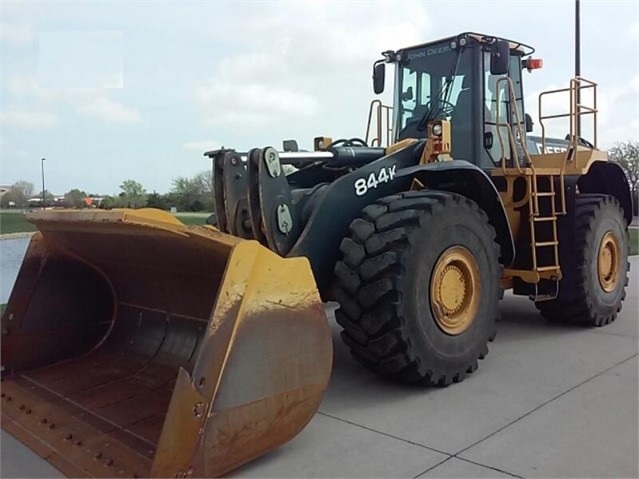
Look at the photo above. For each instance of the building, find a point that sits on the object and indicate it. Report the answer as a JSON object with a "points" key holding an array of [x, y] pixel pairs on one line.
{"points": [[4, 189]]}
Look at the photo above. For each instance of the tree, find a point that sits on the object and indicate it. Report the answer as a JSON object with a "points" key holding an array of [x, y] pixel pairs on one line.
{"points": [[194, 194], [75, 198], [626, 155], [48, 197], [133, 194], [108, 202], [13, 198], [19, 193], [26, 187], [156, 200]]}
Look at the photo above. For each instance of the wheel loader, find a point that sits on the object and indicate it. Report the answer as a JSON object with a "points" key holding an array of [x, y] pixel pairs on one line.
{"points": [[133, 345]]}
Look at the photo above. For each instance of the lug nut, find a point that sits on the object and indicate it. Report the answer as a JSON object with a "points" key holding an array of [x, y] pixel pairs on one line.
{"points": [[43, 420], [28, 411], [52, 426], [109, 462], [77, 442], [97, 455], [68, 437], [22, 406]]}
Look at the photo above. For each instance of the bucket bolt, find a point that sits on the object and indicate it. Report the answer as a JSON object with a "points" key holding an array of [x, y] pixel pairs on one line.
{"points": [[272, 160], [198, 409], [284, 219]]}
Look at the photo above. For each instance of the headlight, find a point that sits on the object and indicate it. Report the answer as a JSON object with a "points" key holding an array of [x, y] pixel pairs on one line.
{"points": [[437, 129]]}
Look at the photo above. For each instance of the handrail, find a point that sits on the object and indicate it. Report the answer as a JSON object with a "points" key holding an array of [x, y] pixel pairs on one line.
{"points": [[513, 104], [576, 111], [377, 140]]}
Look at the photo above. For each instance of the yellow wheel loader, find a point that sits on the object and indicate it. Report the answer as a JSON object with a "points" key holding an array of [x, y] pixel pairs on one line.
{"points": [[133, 345]]}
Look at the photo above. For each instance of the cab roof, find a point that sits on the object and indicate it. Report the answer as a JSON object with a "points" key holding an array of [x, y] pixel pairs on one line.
{"points": [[480, 38]]}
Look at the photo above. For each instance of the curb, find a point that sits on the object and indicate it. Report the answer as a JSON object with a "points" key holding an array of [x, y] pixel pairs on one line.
{"points": [[8, 236]]}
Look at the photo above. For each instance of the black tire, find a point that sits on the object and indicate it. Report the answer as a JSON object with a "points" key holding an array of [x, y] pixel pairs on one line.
{"points": [[212, 220], [592, 305], [387, 262]]}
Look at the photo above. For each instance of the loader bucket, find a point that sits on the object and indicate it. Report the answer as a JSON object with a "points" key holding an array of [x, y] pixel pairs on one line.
{"points": [[136, 346]]}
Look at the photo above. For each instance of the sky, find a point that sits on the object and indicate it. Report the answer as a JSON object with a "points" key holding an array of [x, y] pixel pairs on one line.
{"points": [[110, 91]]}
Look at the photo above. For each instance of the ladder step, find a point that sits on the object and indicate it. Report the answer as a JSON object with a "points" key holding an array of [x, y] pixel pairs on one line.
{"points": [[544, 218], [544, 193], [543, 297], [547, 268], [547, 243]]}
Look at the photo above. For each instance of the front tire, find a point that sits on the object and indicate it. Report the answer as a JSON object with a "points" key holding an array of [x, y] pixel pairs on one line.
{"points": [[601, 249], [418, 287]]}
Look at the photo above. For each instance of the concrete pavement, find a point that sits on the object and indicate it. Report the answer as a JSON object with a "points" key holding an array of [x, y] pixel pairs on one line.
{"points": [[548, 401]]}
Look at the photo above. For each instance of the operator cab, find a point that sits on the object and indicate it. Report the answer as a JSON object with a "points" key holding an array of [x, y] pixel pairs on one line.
{"points": [[457, 79]]}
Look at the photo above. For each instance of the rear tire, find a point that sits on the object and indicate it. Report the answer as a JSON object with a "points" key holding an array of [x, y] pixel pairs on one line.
{"points": [[601, 249], [403, 252]]}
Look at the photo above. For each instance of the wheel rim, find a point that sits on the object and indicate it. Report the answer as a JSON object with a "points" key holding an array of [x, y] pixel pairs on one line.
{"points": [[455, 290], [608, 262]]}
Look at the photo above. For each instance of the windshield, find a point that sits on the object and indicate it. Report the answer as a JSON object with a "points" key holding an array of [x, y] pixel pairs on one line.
{"points": [[434, 82]]}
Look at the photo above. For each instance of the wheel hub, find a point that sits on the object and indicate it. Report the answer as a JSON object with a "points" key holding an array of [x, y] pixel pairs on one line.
{"points": [[608, 262], [455, 290], [452, 289]]}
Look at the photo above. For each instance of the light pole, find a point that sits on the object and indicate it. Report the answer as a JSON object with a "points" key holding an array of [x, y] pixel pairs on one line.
{"points": [[43, 197], [578, 65]]}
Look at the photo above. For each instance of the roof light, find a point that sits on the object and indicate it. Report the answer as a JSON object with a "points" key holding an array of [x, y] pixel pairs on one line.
{"points": [[533, 63]]}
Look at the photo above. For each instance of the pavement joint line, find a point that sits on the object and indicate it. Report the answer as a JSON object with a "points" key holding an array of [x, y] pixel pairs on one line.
{"points": [[386, 434], [471, 462], [433, 467], [545, 403], [489, 467]]}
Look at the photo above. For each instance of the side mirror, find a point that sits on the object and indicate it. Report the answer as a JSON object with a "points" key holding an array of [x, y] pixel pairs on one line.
{"points": [[379, 74], [529, 123], [499, 57]]}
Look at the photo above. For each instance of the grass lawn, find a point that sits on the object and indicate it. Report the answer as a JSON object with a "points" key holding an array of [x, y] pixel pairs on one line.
{"points": [[14, 222], [191, 219], [11, 222], [634, 240]]}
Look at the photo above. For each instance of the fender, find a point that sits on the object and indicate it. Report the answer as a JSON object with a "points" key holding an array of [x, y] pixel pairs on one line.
{"points": [[464, 178], [608, 178], [341, 201]]}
